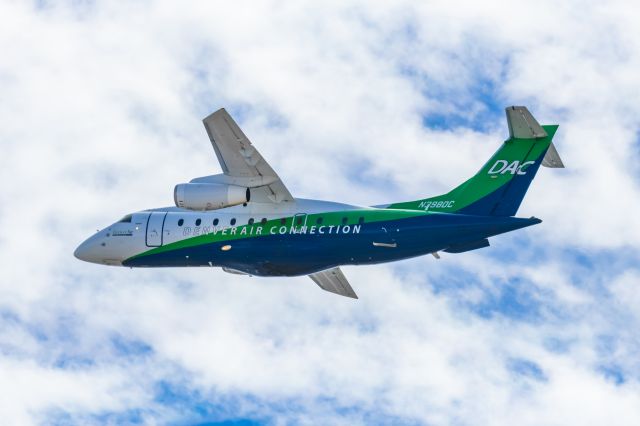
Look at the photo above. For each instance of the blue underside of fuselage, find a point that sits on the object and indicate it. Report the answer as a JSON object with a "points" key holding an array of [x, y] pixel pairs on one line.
{"points": [[302, 254]]}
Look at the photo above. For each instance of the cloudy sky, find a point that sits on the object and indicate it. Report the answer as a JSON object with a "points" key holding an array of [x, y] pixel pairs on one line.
{"points": [[356, 101]]}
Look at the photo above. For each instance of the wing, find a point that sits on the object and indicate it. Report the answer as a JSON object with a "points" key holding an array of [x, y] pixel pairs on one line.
{"points": [[333, 280], [240, 159]]}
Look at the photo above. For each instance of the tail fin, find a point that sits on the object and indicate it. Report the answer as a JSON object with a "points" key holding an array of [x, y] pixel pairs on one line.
{"points": [[499, 187]]}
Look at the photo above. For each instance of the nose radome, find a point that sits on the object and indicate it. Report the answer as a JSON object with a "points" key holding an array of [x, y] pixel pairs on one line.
{"points": [[88, 250], [78, 252]]}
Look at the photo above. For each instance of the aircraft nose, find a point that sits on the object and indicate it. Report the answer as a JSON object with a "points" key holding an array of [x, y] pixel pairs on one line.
{"points": [[89, 250]]}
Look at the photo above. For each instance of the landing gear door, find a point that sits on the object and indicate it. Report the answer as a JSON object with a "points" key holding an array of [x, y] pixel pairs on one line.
{"points": [[155, 226]]}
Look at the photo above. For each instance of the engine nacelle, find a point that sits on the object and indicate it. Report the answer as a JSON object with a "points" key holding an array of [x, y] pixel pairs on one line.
{"points": [[209, 196]]}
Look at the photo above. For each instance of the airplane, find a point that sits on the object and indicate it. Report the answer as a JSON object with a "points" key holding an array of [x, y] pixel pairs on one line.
{"points": [[246, 221]]}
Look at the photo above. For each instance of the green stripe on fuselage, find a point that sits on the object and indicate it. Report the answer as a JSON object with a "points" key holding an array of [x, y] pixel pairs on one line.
{"points": [[329, 219]]}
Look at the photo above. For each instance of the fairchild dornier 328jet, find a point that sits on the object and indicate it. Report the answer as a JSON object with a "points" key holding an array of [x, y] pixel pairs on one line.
{"points": [[247, 222]]}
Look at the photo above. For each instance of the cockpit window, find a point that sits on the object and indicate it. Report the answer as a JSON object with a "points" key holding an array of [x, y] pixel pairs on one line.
{"points": [[126, 219]]}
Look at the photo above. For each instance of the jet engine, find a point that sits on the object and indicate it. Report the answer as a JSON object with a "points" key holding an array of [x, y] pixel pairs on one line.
{"points": [[209, 196]]}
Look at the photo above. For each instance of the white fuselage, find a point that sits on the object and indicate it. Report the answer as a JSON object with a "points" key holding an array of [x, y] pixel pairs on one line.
{"points": [[138, 232]]}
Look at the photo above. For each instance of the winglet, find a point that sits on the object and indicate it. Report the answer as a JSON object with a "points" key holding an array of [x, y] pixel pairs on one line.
{"points": [[334, 281]]}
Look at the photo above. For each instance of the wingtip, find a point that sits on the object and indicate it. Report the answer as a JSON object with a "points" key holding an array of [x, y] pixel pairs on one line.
{"points": [[534, 220], [216, 112]]}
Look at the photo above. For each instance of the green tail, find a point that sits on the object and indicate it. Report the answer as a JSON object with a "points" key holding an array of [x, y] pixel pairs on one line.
{"points": [[499, 187]]}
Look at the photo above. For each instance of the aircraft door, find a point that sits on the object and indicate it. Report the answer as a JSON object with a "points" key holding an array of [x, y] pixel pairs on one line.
{"points": [[299, 223], [155, 227]]}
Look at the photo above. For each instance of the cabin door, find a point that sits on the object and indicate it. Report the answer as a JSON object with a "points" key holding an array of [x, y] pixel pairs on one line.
{"points": [[155, 226]]}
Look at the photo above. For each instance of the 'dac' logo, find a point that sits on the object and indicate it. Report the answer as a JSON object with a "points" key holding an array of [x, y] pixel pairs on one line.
{"points": [[503, 166]]}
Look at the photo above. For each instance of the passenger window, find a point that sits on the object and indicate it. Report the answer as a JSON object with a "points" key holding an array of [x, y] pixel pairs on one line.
{"points": [[215, 221], [233, 221], [344, 220], [319, 221], [180, 222], [299, 221], [251, 221], [283, 221], [361, 220], [264, 221], [198, 222]]}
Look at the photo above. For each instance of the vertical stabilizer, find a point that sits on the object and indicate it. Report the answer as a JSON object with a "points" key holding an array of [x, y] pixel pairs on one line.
{"points": [[501, 184]]}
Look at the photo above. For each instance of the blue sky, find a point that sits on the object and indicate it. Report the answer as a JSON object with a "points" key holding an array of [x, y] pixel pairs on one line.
{"points": [[355, 101]]}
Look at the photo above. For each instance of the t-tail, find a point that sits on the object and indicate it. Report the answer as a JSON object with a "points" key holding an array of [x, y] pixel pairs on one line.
{"points": [[499, 187]]}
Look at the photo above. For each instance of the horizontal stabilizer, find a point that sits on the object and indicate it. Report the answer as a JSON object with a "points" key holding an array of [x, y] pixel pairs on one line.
{"points": [[461, 248], [334, 281], [522, 125], [552, 158]]}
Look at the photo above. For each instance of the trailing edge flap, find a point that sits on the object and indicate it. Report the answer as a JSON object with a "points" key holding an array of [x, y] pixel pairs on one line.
{"points": [[552, 158], [522, 125], [461, 248], [334, 281]]}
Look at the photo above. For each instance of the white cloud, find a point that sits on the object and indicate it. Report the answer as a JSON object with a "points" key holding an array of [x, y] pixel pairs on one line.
{"points": [[100, 116]]}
